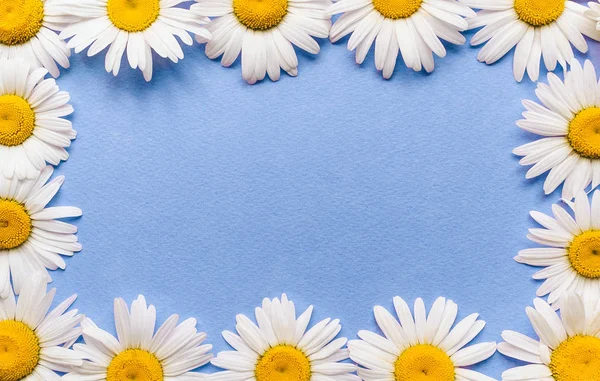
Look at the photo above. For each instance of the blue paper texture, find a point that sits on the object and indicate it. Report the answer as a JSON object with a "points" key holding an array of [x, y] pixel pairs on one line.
{"points": [[337, 187]]}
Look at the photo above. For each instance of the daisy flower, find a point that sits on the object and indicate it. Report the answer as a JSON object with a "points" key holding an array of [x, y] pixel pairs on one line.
{"points": [[263, 31], [538, 28], [570, 255], [27, 31], [136, 26], [569, 121], [34, 342], [138, 352], [31, 237], [568, 348], [594, 13], [413, 27], [33, 131], [423, 347], [279, 348]]}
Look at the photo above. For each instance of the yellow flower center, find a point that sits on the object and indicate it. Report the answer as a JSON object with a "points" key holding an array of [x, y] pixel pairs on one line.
{"points": [[397, 9], [134, 364], [539, 12], [133, 15], [283, 363], [15, 225], [584, 133], [584, 254], [17, 120], [19, 350], [424, 362], [20, 21], [576, 359], [260, 14]]}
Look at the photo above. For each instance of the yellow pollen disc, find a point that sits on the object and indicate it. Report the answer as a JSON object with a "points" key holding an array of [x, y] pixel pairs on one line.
{"points": [[397, 9], [133, 15], [260, 14], [576, 359], [584, 133], [539, 12], [20, 21], [283, 363], [19, 350], [134, 364], [17, 120], [15, 225], [424, 362], [584, 254]]}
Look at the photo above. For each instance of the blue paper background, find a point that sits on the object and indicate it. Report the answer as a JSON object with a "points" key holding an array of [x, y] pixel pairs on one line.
{"points": [[338, 187]]}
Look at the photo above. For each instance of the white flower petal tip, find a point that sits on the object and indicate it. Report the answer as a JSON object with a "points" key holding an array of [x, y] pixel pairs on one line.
{"points": [[35, 132], [172, 351], [566, 342], [414, 31], [538, 30], [264, 36], [593, 13], [570, 245], [32, 237], [567, 120], [412, 341], [39, 339], [134, 27], [281, 340]]}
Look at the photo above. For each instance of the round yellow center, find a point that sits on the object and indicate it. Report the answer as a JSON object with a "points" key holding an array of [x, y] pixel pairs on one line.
{"points": [[424, 362], [584, 254], [134, 364], [19, 350], [283, 363], [397, 9], [20, 20], [576, 359], [17, 120], [539, 12], [15, 225], [133, 15], [260, 14], [584, 133]]}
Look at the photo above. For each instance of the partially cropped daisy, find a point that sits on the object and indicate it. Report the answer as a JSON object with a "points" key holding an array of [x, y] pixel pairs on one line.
{"points": [[538, 28], [412, 27], [138, 352], [32, 239], [27, 31], [568, 348], [33, 131], [136, 26], [279, 347], [571, 252], [424, 348], [594, 13], [34, 342], [263, 31], [569, 121]]}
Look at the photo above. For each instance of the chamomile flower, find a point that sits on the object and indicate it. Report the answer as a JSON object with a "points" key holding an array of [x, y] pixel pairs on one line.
{"points": [[538, 28], [27, 31], [424, 348], [568, 348], [33, 131], [594, 13], [32, 239], [413, 27], [569, 121], [136, 26], [138, 352], [571, 252], [34, 342], [263, 31], [279, 348]]}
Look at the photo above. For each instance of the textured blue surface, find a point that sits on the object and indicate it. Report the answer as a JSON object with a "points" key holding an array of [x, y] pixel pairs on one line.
{"points": [[337, 187]]}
